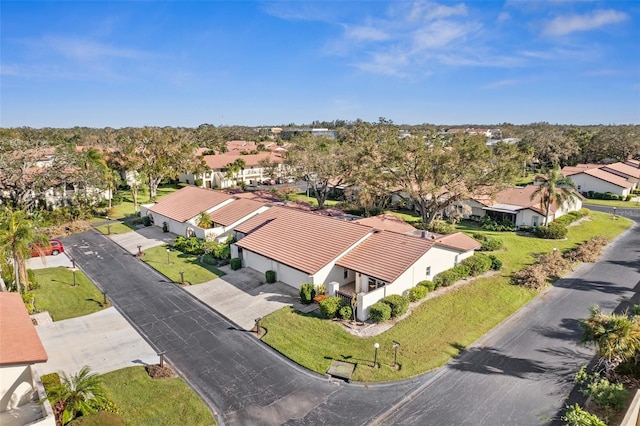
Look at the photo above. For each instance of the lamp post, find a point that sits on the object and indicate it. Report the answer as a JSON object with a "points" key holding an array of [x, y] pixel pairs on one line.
{"points": [[104, 298], [376, 345], [108, 226], [161, 355], [614, 212], [396, 345], [182, 277], [73, 269], [139, 251], [168, 260], [258, 325]]}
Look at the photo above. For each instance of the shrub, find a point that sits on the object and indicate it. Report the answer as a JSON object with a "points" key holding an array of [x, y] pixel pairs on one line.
{"points": [[321, 289], [190, 245], [101, 418], [380, 312], [601, 390], [29, 298], [330, 306], [307, 293], [628, 197], [526, 228], [417, 293], [491, 225], [33, 282], [270, 276], [146, 220], [50, 380], [165, 227], [441, 227], [477, 264], [346, 313], [488, 243], [555, 231], [576, 416], [461, 271], [398, 304], [496, 264], [429, 285], [235, 263], [445, 278]]}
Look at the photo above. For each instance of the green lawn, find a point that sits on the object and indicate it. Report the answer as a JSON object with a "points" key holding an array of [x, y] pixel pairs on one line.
{"points": [[406, 215], [302, 198], [63, 301], [116, 228], [144, 401], [614, 203], [437, 330], [125, 209], [194, 271]]}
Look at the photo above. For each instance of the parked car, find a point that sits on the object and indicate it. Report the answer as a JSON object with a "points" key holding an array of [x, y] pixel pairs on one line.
{"points": [[269, 182], [54, 248]]}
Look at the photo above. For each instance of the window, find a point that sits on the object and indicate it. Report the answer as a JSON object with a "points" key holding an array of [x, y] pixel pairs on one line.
{"points": [[428, 271], [375, 283], [346, 273]]}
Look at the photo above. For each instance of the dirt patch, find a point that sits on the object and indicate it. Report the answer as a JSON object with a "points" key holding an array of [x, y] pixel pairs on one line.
{"points": [[160, 373]]}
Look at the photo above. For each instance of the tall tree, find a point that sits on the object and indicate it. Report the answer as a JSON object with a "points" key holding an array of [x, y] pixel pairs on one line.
{"points": [[550, 144], [18, 234], [81, 393], [554, 189], [433, 173]]}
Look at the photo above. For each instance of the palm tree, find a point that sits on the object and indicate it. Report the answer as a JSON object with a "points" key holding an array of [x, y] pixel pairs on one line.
{"points": [[617, 337], [556, 188], [18, 233], [204, 220], [82, 393]]}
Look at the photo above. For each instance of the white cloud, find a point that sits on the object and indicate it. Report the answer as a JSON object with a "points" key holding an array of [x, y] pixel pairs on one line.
{"points": [[365, 33], [503, 17], [84, 50], [563, 25], [440, 34], [428, 11], [503, 83]]}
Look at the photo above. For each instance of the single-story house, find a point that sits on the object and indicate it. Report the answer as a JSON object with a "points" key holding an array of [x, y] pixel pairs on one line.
{"points": [[20, 348], [617, 178], [517, 205], [354, 260], [181, 211]]}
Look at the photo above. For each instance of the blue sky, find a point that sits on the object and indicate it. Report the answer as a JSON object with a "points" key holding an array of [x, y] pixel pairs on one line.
{"points": [[121, 64]]}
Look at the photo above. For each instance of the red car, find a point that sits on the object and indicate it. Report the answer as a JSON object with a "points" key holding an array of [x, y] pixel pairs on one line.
{"points": [[54, 248]]}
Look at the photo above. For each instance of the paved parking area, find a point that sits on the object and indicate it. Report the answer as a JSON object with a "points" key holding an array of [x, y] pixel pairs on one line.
{"points": [[242, 296], [146, 237], [104, 341]]}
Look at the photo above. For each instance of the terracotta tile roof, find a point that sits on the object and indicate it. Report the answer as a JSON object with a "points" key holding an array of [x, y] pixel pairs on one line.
{"points": [[235, 211], [304, 241], [220, 161], [622, 168], [387, 222], [633, 163], [386, 255], [609, 177], [459, 241], [262, 196], [19, 341], [188, 202], [578, 168]]}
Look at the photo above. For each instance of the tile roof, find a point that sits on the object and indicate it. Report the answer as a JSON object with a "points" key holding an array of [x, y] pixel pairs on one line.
{"points": [[518, 198], [301, 240], [459, 241], [220, 161], [234, 211], [386, 255], [387, 222], [578, 168], [19, 341], [622, 168], [633, 163], [188, 202], [609, 177]]}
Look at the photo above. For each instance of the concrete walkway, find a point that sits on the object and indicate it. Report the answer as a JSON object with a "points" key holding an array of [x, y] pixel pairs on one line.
{"points": [[242, 296], [104, 341], [49, 262]]}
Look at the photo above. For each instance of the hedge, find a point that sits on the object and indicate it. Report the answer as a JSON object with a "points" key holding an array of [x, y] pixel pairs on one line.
{"points": [[236, 263], [380, 312], [429, 285], [488, 243], [418, 292], [270, 276], [330, 306], [398, 304], [346, 313], [477, 264], [555, 231], [307, 293]]}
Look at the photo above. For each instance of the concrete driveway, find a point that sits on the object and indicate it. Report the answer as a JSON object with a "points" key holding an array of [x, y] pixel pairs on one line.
{"points": [[50, 262], [104, 341], [146, 237], [242, 296]]}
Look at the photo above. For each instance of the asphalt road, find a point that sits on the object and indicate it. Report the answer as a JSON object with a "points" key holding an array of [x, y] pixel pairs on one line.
{"points": [[518, 374], [522, 371], [242, 380]]}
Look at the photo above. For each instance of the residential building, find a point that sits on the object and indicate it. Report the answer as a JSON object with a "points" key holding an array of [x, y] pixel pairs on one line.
{"points": [[20, 348], [616, 178]]}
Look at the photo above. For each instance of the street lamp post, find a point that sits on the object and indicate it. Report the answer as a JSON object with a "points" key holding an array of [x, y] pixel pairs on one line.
{"points": [[396, 345], [108, 226], [614, 212], [258, 325], [182, 277], [161, 355], [73, 269], [139, 251], [376, 345], [104, 298], [168, 260]]}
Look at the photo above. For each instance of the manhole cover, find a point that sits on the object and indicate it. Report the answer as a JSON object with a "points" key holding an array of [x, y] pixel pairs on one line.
{"points": [[341, 369]]}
